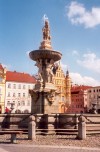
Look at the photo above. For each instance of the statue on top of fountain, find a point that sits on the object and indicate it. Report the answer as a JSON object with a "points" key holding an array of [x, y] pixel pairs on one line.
{"points": [[46, 31], [46, 43]]}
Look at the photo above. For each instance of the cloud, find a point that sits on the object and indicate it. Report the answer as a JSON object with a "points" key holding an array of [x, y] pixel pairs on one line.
{"points": [[83, 80], [90, 61], [6, 66], [64, 66], [27, 53], [77, 78], [74, 52], [78, 14]]}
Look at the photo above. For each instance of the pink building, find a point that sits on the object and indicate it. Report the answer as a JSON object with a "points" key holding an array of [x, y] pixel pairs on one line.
{"points": [[78, 99]]}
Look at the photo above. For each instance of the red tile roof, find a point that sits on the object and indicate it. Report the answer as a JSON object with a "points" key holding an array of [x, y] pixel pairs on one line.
{"points": [[19, 77], [79, 88]]}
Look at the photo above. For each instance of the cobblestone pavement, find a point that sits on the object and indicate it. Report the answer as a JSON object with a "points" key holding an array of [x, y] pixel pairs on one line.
{"points": [[44, 148], [49, 143]]}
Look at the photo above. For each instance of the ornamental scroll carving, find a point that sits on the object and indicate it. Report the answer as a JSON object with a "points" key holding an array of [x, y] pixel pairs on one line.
{"points": [[51, 96], [34, 95]]}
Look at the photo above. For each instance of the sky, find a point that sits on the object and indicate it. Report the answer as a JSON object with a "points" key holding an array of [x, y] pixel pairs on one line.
{"points": [[74, 28]]}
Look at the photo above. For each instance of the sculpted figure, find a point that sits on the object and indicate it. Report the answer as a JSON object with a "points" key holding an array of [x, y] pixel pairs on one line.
{"points": [[39, 65], [46, 31], [49, 73]]}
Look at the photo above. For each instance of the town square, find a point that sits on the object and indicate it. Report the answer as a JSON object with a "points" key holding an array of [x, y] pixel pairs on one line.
{"points": [[45, 102]]}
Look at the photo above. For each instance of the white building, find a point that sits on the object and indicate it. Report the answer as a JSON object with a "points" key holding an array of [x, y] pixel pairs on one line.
{"points": [[94, 97], [17, 96]]}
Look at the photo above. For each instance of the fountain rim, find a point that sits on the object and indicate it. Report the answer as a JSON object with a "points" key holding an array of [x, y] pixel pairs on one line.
{"points": [[50, 54]]}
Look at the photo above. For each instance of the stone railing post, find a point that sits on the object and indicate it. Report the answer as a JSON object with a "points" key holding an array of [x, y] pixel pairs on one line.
{"points": [[31, 128], [51, 123], [82, 128]]}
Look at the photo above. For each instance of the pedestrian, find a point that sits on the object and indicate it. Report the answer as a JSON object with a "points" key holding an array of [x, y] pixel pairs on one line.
{"points": [[7, 110]]}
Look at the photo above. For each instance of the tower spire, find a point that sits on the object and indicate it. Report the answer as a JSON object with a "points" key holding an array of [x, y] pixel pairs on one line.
{"points": [[67, 73], [46, 42]]}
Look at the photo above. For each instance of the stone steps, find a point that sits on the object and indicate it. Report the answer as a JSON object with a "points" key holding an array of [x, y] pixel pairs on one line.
{"points": [[93, 132]]}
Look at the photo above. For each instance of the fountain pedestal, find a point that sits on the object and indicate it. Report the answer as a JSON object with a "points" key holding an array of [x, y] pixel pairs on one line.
{"points": [[44, 95]]}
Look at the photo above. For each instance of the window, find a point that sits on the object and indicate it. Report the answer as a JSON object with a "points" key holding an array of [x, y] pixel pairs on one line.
{"points": [[23, 86], [9, 85], [29, 94], [13, 94], [8, 103], [28, 86], [89, 91], [81, 106], [28, 103], [19, 86], [19, 94], [14, 86], [18, 103], [23, 103], [23, 94], [8, 94], [14, 102]]}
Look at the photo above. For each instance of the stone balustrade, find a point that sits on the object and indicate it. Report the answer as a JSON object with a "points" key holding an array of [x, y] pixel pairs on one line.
{"points": [[50, 123]]}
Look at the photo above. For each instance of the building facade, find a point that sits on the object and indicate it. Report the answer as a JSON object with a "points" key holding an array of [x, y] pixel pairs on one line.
{"points": [[62, 83], [94, 97], [17, 98], [79, 99], [2, 88]]}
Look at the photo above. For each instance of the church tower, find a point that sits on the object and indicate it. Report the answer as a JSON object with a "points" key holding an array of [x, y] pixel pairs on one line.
{"points": [[68, 88]]}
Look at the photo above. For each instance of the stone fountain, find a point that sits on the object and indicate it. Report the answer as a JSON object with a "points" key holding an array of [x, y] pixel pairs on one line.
{"points": [[44, 95]]}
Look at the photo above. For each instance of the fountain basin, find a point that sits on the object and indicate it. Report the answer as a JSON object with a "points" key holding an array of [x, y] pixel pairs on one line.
{"points": [[45, 54]]}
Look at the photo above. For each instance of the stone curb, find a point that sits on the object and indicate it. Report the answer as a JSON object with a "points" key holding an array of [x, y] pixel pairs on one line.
{"points": [[50, 146]]}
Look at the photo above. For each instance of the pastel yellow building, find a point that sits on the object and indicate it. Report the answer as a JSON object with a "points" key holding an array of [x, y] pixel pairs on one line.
{"points": [[63, 84], [2, 88]]}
